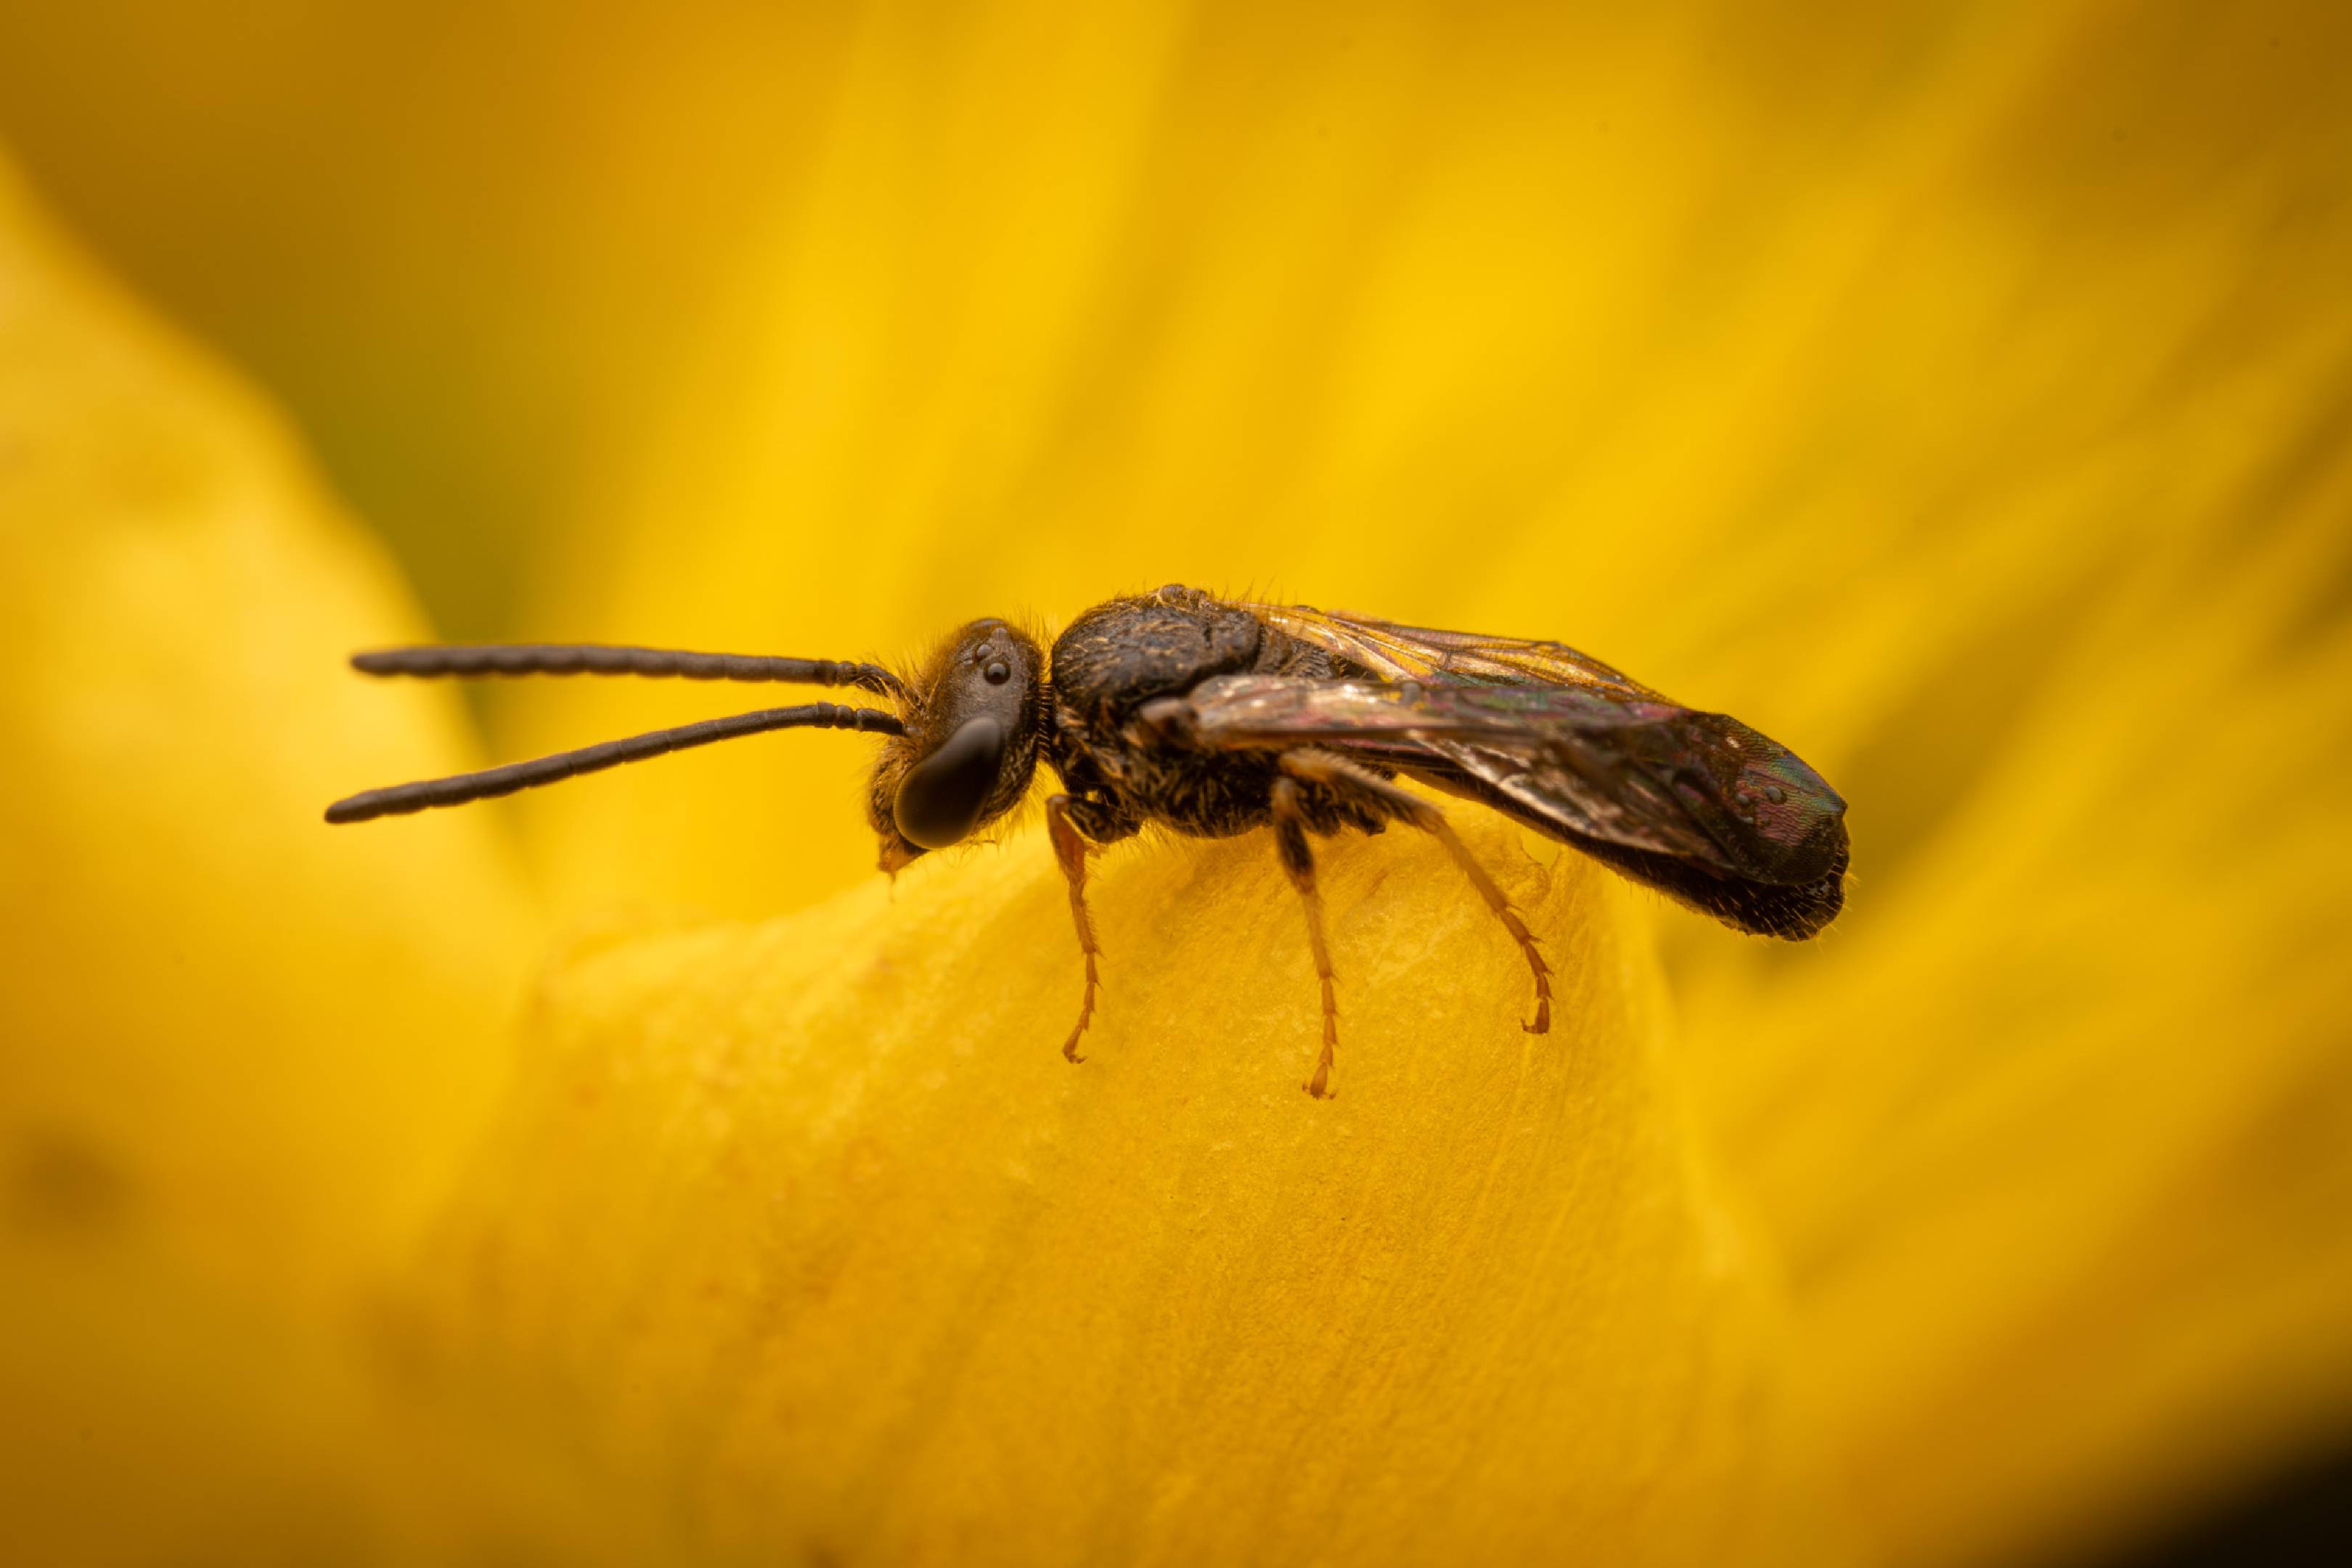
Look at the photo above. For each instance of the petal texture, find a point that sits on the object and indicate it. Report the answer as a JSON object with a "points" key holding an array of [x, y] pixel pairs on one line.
{"points": [[240, 1059], [811, 1221]]}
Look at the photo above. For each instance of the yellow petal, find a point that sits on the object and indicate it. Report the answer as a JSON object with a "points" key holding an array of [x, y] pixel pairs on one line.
{"points": [[2059, 1121], [1954, 392], [241, 1055], [810, 1221], [263, 1035]]}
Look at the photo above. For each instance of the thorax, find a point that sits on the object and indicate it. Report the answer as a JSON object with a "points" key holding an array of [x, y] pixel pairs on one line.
{"points": [[1123, 654]]}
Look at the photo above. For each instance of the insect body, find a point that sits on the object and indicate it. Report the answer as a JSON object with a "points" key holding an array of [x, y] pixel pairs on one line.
{"points": [[1214, 717]]}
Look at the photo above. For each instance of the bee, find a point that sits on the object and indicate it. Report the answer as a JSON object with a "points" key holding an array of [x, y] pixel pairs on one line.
{"points": [[1214, 717]]}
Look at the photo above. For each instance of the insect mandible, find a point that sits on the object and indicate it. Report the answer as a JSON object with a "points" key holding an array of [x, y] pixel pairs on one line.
{"points": [[1215, 717]]}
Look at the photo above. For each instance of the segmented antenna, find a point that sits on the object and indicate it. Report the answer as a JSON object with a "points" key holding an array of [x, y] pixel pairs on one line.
{"points": [[595, 659], [490, 782]]}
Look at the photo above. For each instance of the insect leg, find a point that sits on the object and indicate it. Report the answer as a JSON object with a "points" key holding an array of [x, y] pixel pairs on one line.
{"points": [[1070, 850], [1290, 842], [1338, 773]]}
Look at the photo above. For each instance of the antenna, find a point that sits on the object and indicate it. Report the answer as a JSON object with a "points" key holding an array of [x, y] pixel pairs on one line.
{"points": [[458, 790], [596, 658]]}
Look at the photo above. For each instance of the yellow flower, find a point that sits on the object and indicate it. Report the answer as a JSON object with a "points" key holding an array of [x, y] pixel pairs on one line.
{"points": [[628, 1173]]}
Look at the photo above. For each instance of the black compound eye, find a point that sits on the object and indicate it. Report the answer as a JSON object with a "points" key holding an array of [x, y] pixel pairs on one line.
{"points": [[997, 673], [940, 797]]}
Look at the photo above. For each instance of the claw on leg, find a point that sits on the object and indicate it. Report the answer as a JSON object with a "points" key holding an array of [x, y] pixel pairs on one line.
{"points": [[1298, 861], [1323, 768], [1070, 851], [1086, 1016], [1443, 830], [1319, 1085]]}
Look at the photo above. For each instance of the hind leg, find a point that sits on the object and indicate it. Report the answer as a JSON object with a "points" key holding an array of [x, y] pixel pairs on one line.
{"points": [[1390, 799]]}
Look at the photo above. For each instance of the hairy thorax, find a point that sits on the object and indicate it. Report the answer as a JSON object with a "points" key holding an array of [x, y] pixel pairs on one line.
{"points": [[1122, 654]]}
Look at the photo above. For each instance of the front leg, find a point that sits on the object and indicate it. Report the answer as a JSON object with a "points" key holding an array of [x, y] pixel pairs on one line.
{"points": [[1070, 848]]}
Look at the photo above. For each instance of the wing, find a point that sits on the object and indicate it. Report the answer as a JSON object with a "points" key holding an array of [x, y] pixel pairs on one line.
{"points": [[1582, 761], [1396, 652]]}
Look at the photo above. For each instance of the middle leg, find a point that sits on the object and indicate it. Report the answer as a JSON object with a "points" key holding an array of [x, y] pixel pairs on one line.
{"points": [[1290, 842]]}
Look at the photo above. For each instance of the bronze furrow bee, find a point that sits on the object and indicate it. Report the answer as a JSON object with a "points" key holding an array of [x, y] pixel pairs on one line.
{"points": [[1214, 717]]}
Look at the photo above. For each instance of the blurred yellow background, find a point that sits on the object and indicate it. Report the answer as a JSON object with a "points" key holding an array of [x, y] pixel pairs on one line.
{"points": [[1957, 392]]}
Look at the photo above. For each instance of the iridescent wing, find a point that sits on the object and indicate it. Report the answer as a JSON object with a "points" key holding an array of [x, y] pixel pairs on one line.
{"points": [[1395, 652], [1640, 772], [1696, 805]]}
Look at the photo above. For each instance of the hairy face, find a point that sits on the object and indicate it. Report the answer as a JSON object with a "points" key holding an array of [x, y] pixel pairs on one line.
{"points": [[975, 714]]}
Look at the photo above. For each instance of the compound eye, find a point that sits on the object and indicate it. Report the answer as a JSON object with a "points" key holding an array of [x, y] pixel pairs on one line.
{"points": [[940, 797]]}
